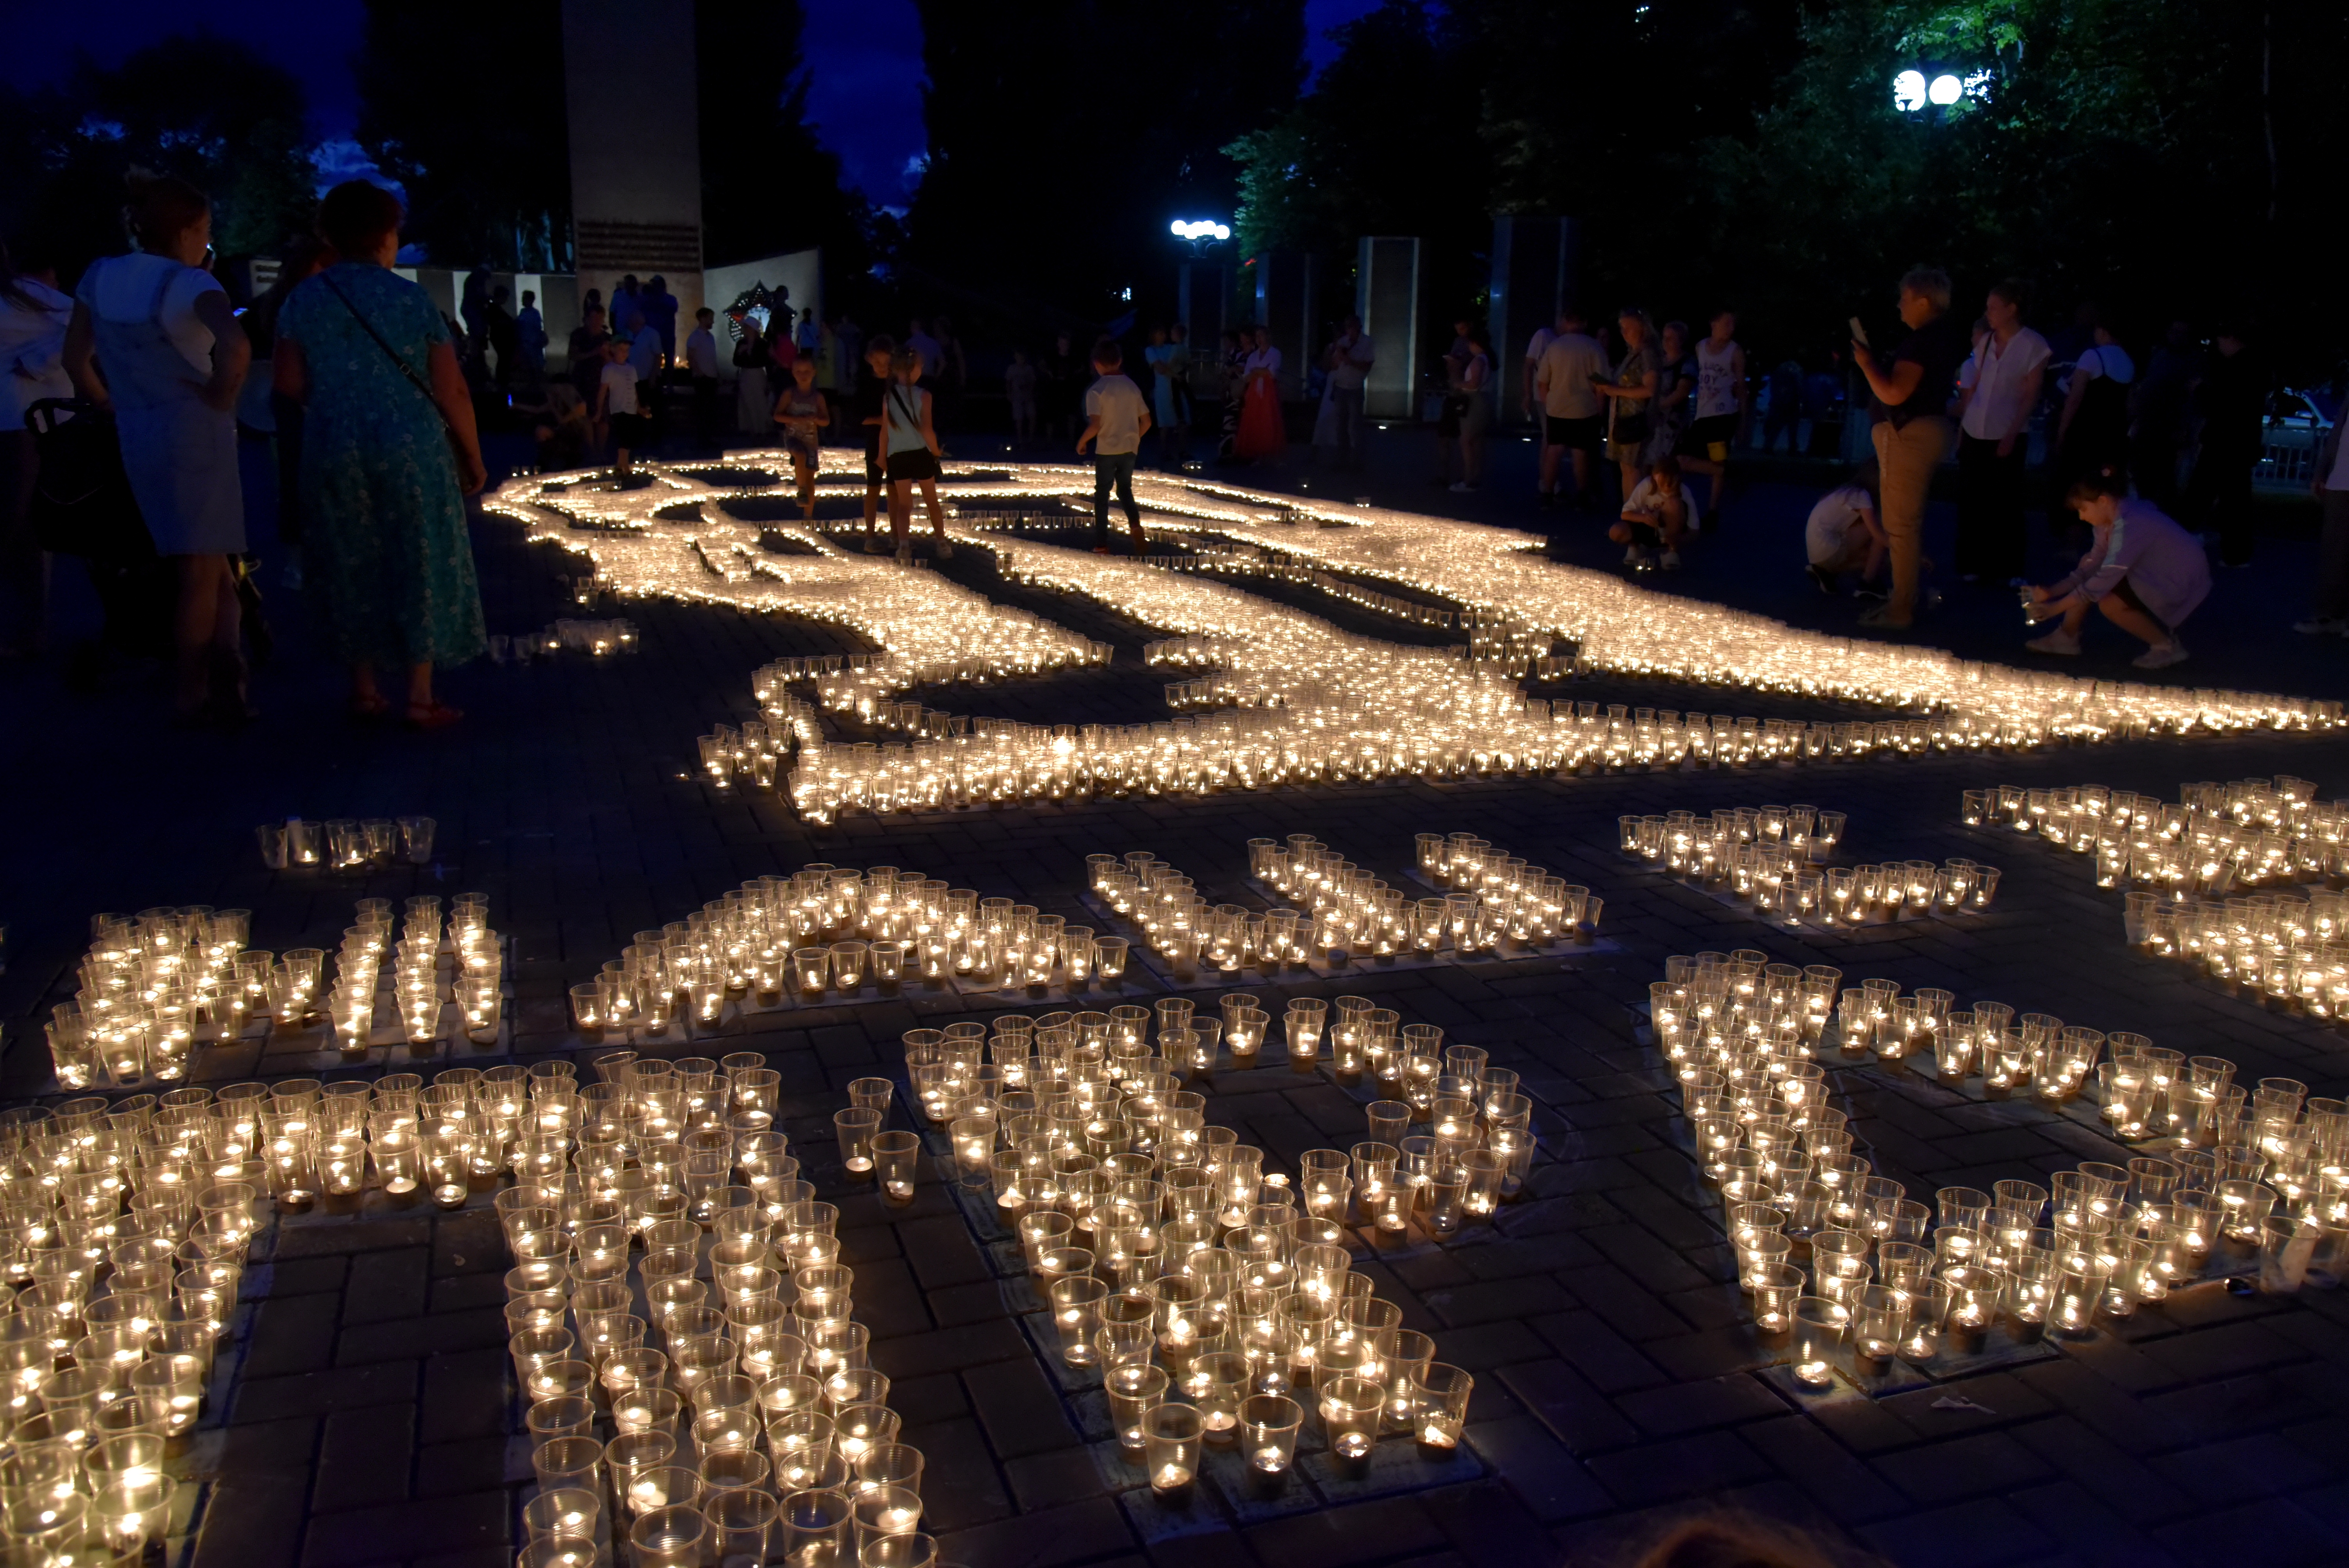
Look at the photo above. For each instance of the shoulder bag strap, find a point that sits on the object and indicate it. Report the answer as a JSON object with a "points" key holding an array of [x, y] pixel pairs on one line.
{"points": [[397, 358]]}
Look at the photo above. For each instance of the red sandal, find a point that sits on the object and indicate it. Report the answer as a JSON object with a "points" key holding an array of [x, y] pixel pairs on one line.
{"points": [[435, 715]]}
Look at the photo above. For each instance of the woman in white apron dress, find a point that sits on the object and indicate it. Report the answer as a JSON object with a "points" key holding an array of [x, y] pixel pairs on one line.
{"points": [[153, 338]]}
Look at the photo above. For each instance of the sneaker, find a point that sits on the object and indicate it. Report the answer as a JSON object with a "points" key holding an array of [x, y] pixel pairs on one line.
{"points": [[1633, 555], [1882, 616], [945, 551], [1822, 579], [1670, 561], [1464, 487], [2058, 640], [905, 556], [2161, 655], [2322, 626], [873, 545], [1868, 590]]}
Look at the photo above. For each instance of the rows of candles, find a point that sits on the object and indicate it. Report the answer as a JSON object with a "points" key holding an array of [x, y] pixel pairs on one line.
{"points": [[1217, 1299], [2214, 839], [1890, 1278], [1349, 911], [128, 1225], [2185, 869], [831, 932], [1349, 708], [1769, 855], [709, 1399], [344, 843], [157, 984], [596, 639]]}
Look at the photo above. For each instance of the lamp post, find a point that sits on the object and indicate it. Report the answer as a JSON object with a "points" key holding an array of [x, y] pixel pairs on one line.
{"points": [[1935, 89], [1201, 291]]}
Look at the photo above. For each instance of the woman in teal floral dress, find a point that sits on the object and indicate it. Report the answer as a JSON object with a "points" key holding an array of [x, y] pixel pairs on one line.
{"points": [[389, 567]]}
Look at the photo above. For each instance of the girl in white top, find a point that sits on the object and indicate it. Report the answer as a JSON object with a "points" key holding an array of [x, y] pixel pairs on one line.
{"points": [[152, 338]]}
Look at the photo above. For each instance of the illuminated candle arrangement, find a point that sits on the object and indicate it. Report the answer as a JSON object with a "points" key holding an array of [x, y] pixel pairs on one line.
{"points": [[1770, 856], [157, 986], [2189, 871], [596, 639], [710, 1398], [344, 844], [129, 1225], [1491, 907], [1298, 701], [1190, 1277], [2239, 1175], [829, 934]]}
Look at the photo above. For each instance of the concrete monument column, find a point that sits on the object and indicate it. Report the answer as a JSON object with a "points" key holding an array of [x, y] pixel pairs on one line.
{"points": [[1533, 277], [1386, 296], [635, 146]]}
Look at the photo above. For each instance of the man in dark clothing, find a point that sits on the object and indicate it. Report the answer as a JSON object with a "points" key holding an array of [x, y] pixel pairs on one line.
{"points": [[2232, 399], [871, 387], [505, 337], [1912, 432], [2157, 415]]}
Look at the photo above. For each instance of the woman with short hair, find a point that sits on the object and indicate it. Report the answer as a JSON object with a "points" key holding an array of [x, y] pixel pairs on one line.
{"points": [[152, 338], [388, 455]]}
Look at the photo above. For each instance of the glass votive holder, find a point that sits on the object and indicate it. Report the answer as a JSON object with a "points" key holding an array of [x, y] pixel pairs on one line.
{"points": [[819, 1527], [674, 1535], [1133, 1391], [855, 1127], [1269, 1424], [812, 971], [1109, 957], [1352, 1410], [1820, 1329], [1439, 1405], [885, 1511], [908, 1548], [896, 1159], [887, 960], [743, 1526], [1172, 1439], [1076, 1314], [1879, 1322]]}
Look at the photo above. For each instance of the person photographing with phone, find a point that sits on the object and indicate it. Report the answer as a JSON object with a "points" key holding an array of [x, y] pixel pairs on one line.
{"points": [[1912, 388]]}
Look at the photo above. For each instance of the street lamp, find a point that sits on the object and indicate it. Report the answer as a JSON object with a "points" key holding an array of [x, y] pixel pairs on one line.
{"points": [[1200, 232], [1913, 90]]}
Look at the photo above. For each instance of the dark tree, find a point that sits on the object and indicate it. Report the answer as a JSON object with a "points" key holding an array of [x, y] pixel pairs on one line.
{"points": [[768, 185], [1065, 135], [208, 109], [460, 101]]}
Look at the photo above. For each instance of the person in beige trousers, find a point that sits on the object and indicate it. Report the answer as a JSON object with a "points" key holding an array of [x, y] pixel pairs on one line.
{"points": [[1913, 433]]}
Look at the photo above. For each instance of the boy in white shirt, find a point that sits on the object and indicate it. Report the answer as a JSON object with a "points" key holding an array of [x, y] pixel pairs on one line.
{"points": [[1658, 511], [617, 408], [1116, 418]]}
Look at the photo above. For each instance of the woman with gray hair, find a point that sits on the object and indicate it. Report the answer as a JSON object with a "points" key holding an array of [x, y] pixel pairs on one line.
{"points": [[1912, 431]]}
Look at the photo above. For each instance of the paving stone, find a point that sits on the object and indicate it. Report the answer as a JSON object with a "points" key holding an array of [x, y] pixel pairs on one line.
{"points": [[1826, 1471], [1678, 1468], [316, 1393], [1974, 1465], [465, 1396], [389, 1284], [293, 1333], [1576, 1413], [1985, 1531], [1074, 1533], [1018, 1407], [364, 1457], [1365, 1531], [471, 1521], [1688, 1407], [255, 1523]]}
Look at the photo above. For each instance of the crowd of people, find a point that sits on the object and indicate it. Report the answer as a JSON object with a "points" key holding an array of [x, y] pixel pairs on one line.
{"points": [[143, 380], [368, 399]]}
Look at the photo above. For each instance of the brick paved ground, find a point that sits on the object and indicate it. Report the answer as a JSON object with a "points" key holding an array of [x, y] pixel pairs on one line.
{"points": [[366, 1415]]}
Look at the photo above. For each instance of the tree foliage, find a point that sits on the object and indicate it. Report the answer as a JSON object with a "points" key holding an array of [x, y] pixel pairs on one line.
{"points": [[1063, 136], [461, 102], [768, 185], [208, 109], [2170, 157]]}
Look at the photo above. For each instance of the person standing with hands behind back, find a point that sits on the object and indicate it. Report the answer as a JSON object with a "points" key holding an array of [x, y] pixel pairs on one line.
{"points": [[1912, 431], [1116, 418], [153, 338], [388, 453]]}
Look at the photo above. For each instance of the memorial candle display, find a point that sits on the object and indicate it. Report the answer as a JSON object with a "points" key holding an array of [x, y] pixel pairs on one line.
{"points": [[2231, 1173], [1295, 700]]}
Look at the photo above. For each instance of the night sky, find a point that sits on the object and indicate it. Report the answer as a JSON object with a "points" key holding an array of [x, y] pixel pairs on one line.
{"points": [[864, 58]]}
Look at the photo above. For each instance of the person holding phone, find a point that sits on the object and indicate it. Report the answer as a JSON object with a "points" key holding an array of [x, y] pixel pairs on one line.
{"points": [[1912, 426]]}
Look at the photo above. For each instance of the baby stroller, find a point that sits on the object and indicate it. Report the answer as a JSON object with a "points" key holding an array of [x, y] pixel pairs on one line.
{"points": [[82, 505]]}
